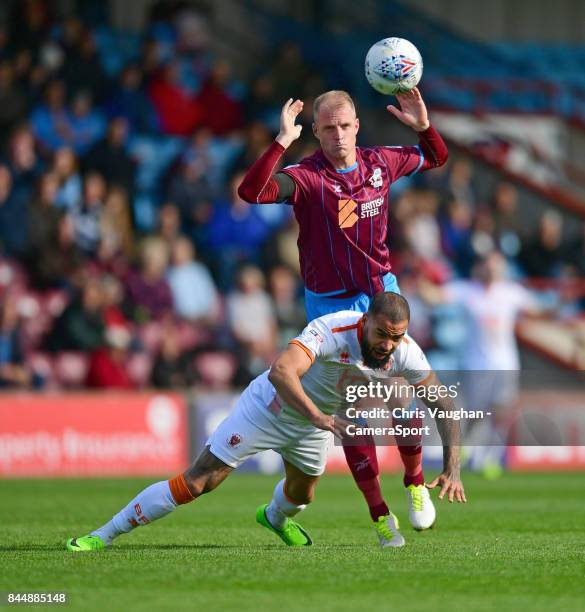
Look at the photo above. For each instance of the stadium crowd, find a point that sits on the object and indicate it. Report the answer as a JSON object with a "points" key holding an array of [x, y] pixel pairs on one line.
{"points": [[127, 258]]}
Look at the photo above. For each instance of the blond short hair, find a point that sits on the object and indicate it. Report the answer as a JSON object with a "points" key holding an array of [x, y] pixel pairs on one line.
{"points": [[154, 251], [335, 96]]}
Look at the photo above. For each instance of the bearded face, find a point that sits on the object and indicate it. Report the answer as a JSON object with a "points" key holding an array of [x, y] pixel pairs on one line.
{"points": [[380, 338]]}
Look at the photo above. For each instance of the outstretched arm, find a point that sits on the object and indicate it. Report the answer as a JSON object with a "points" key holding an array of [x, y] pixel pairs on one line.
{"points": [[450, 479], [413, 113], [259, 186]]}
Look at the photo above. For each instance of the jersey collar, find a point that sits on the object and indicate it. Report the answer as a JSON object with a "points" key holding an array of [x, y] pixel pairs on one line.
{"points": [[346, 170], [351, 168]]}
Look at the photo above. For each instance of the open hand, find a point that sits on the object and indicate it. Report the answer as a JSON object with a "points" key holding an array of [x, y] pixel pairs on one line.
{"points": [[289, 131], [412, 111], [451, 485]]}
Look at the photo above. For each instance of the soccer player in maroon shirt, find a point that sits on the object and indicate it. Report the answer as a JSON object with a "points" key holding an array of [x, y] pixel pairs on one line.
{"points": [[340, 196]]}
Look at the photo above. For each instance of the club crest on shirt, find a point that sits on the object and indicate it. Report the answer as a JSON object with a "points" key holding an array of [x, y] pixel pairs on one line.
{"points": [[376, 178], [344, 357], [235, 439], [336, 187]]}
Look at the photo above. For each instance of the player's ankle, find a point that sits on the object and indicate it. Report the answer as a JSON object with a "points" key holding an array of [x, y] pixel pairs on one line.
{"points": [[378, 510], [414, 479]]}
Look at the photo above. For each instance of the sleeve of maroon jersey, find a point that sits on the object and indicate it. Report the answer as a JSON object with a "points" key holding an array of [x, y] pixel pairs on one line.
{"points": [[431, 152], [258, 185], [402, 161], [301, 176]]}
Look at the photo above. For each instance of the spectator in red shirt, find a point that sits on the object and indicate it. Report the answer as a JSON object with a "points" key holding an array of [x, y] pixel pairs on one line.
{"points": [[107, 367], [178, 112], [221, 112]]}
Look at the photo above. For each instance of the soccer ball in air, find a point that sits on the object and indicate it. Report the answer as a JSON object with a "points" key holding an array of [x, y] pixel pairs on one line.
{"points": [[393, 65]]}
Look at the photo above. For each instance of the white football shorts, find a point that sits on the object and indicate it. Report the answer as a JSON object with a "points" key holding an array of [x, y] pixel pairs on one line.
{"points": [[252, 427]]}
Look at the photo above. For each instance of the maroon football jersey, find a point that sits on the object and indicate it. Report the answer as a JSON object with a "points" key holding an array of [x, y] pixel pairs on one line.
{"points": [[343, 217]]}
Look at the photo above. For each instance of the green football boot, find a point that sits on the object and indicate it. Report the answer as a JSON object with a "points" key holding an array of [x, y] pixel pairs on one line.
{"points": [[85, 543], [292, 533]]}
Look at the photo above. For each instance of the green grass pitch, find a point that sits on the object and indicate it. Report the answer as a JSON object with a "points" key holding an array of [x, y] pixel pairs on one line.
{"points": [[518, 544]]}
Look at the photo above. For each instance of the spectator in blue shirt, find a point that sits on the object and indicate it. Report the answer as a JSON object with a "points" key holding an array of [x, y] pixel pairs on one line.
{"points": [[50, 120], [70, 185], [236, 233], [129, 100], [194, 293], [87, 125], [13, 216]]}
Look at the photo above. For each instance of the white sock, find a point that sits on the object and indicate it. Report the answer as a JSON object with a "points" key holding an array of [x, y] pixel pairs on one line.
{"points": [[280, 508], [149, 505]]}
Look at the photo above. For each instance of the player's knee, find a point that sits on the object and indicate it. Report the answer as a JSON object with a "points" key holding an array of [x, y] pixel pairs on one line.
{"points": [[199, 484], [301, 496], [302, 499], [194, 485], [206, 474], [201, 480]]}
